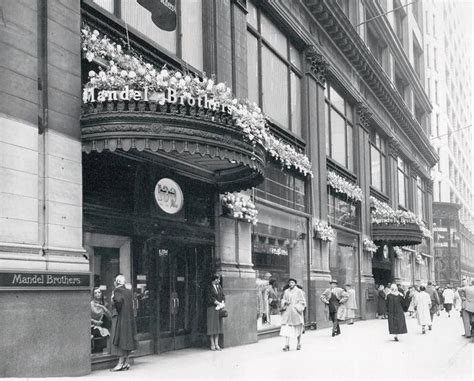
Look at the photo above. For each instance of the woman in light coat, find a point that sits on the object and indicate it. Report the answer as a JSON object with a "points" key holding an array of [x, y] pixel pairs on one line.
{"points": [[293, 304], [351, 304], [422, 306]]}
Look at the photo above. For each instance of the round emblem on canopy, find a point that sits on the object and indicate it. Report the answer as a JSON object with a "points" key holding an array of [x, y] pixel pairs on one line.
{"points": [[169, 196]]}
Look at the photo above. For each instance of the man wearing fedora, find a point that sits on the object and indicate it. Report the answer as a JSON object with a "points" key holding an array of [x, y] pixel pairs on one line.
{"points": [[333, 297]]}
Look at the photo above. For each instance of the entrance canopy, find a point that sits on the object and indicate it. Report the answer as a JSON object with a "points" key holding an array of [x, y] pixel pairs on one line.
{"points": [[204, 142], [397, 234]]}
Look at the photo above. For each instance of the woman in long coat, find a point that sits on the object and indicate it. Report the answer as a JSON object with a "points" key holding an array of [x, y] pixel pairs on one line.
{"points": [[396, 318], [351, 304], [123, 324], [381, 303], [422, 304], [293, 304], [215, 302]]}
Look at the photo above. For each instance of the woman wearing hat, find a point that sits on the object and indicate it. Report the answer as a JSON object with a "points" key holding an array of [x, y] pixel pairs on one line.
{"points": [[293, 304], [333, 297], [396, 318]]}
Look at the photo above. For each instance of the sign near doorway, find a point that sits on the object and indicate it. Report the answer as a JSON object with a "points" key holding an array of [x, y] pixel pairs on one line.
{"points": [[169, 196]]}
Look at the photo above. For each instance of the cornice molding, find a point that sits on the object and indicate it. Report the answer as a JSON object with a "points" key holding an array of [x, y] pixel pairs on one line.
{"points": [[394, 147], [343, 34], [316, 65]]}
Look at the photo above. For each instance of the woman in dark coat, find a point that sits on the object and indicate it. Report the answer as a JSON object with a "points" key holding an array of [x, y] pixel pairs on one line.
{"points": [[215, 302], [123, 324], [381, 303], [396, 318]]}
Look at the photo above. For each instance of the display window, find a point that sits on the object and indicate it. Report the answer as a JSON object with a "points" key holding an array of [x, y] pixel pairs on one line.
{"points": [[279, 250]]}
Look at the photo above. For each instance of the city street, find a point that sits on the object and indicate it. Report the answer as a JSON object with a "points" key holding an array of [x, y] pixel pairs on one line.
{"points": [[363, 351]]}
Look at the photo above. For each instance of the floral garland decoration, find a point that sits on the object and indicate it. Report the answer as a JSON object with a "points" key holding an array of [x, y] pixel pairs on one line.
{"points": [[369, 245], [131, 70], [341, 185], [323, 231], [382, 213], [398, 252], [240, 207], [419, 259]]}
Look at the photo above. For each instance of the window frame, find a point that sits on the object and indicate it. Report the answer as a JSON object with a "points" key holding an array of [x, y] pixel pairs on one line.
{"points": [[290, 66], [329, 107], [382, 152], [403, 171]]}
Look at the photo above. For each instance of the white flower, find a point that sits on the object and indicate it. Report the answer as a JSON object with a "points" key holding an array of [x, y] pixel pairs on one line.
{"points": [[132, 74], [178, 75], [92, 74], [164, 73], [95, 32], [119, 48], [141, 71], [114, 69], [90, 56], [123, 73]]}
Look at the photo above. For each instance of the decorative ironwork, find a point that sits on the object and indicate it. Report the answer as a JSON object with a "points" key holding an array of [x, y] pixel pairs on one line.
{"points": [[364, 116]]}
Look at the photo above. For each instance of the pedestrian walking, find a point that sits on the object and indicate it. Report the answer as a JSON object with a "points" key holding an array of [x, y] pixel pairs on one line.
{"points": [[448, 297], [457, 302], [333, 297], [215, 311], [381, 303], [351, 304], [396, 318], [293, 304], [422, 303], [123, 324], [431, 291], [410, 299], [467, 297]]}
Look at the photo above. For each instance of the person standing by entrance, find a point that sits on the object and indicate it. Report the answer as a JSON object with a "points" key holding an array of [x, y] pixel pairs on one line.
{"points": [[448, 296], [467, 297], [333, 297], [293, 304], [422, 304], [396, 317], [431, 291], [123, 324], [215, 302], [351, 304]]}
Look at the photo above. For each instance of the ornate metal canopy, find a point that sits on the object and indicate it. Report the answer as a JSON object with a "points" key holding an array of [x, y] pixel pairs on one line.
{"points": [[205, 140], [397, 234]]}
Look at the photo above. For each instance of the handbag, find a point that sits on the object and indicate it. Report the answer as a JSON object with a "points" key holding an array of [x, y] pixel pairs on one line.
{"points": [[223, 313]]}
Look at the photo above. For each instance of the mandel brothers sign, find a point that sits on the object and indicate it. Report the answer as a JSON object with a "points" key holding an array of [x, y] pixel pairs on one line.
{"points": [[170, 96], [41, 280]]}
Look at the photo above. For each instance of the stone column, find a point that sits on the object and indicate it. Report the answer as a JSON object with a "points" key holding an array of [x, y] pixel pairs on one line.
{"points": [[315, 68], [234, 263]]}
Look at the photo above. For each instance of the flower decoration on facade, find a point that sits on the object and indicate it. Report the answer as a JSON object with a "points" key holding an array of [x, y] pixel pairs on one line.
{"points": [[323, 231], [419, 259], [130, 73], [240, 207], [398, 251], [382, 213], [369, 245], [341, 185]]}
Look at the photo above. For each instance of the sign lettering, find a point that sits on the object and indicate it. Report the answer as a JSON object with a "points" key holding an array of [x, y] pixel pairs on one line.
{"points": [[28, 280], [169, 196]]}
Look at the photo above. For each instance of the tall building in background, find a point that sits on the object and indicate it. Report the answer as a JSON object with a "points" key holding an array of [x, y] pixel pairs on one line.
{"points": [[448, 53]]}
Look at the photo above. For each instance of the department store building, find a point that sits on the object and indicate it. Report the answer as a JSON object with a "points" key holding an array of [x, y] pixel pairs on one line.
{"points": [[136, 183]]}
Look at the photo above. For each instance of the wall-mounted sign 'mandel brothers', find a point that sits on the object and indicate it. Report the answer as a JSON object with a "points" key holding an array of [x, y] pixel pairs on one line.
{"points": [[170, 96], [35, 280]]}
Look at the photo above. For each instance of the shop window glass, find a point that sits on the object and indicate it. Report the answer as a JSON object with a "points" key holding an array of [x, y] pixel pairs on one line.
{"points": [[252, 67], [283, 188], [279, 245], [108, 5], [272, 34], [191, 30], [338, 138], [295, 104], [252, 14], [402, 183], [342, 213], [377, 162], [275, 87]]}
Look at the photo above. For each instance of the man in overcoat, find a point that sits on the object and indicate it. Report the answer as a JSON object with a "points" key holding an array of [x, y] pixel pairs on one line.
{"points": [[333, 297], [467, 297], [431, 291]]}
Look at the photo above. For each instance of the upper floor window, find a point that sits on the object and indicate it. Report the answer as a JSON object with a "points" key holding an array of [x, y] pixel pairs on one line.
{"points": [[274, 71], [173, 24], [421, 199], [400, 21], [402, 183], [377, 162], [339, 128], [417, 58]]}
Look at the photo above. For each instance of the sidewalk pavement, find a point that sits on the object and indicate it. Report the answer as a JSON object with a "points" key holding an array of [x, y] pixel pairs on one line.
{"points": [[363, 351]]}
